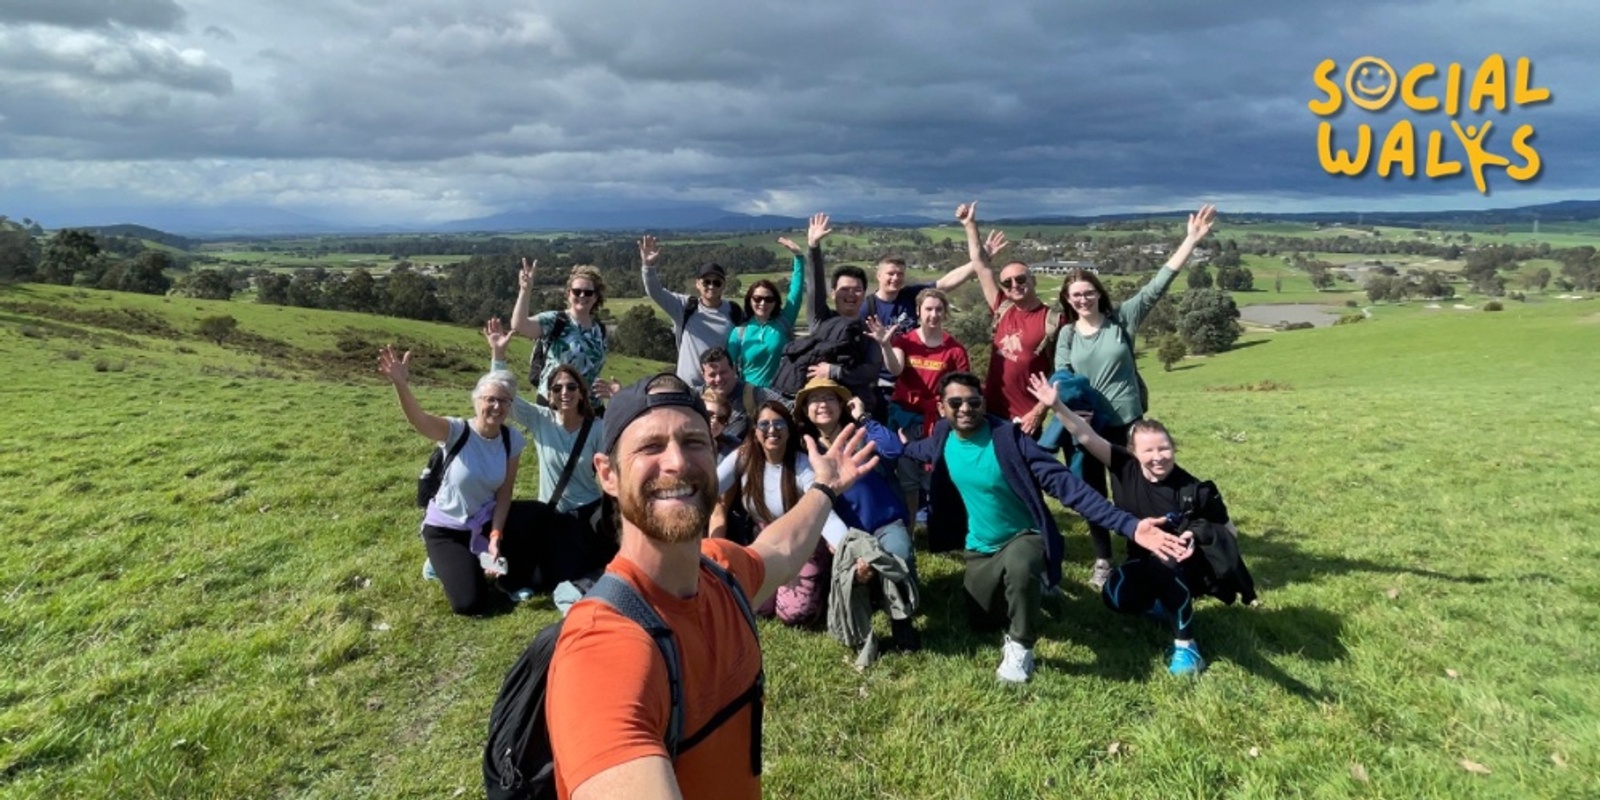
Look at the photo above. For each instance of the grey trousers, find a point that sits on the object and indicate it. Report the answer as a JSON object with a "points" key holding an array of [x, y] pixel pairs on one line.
{"points": [[1004, 588]]}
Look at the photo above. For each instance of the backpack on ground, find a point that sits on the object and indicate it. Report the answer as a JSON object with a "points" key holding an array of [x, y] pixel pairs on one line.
{"points": [[692, 305], [439, 461], [1217, 568], [518, 763], [543, 344]]}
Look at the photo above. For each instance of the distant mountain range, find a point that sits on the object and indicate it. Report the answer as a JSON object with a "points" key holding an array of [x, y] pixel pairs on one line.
{"points": [[228, 222]]}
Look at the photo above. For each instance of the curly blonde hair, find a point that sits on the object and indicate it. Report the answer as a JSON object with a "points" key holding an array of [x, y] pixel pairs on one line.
{"points": [[592, 274]]}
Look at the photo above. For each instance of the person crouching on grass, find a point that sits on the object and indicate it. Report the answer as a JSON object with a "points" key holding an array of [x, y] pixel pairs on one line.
{"points": [[1149, 482], [475, 490], [989, 481]]}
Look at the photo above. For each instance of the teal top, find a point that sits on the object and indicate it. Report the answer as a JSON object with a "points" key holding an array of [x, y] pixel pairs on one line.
{"points": [[995, 514], [1105, 359], [756, 347]]}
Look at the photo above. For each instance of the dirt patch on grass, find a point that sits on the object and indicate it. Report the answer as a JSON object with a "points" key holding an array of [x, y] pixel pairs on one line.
{"points": [[1258, 386]]}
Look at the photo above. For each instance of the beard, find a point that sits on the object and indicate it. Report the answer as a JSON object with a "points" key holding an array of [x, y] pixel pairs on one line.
{"points": [[684, 523]]}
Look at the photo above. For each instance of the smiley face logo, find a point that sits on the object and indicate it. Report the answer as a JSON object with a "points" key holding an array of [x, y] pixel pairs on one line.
{"points": [[1370, 83]]}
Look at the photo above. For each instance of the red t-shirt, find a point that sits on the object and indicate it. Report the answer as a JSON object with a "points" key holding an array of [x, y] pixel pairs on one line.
{"points": [[608, 701], [1017, 335], [917, 387]]}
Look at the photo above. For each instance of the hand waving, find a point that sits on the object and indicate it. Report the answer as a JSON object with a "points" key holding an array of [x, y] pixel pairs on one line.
{"points": [[850, 457], [1043, 390], [396, 368], [649, 249], [788, 244], [525, 275], [1200, 222], [994, 242], [880, 332], [817, 229], [497, 337]]}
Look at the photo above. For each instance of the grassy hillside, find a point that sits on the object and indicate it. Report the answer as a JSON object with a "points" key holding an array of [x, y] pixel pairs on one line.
{"points": [[208, 585]]}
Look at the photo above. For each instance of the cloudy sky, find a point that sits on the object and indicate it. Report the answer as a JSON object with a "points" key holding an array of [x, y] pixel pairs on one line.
{"points": [[406, 111]]}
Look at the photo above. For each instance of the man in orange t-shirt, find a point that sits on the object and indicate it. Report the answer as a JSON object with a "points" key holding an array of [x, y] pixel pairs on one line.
{"points": [[608, 702]]}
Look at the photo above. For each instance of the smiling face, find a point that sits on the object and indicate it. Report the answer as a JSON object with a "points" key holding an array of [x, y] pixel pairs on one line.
{"points": [[962, 405], [566, 390], [1016, 283], [711, 287], [848, 292], [772, 431], [719, 376], [663, 474], [891, 277], [1084, 298], [763, 300], [1370, 83], [581, 294], [825, 411], [1155, 453], [931, 312]]}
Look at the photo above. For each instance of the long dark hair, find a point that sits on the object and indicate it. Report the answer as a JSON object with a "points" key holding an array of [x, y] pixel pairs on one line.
{"points": [[585, 408], [749, 481], [777, 302], [1086, 276]]}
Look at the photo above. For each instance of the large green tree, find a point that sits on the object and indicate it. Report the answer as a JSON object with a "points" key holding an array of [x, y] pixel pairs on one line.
{"points": [[69, 253], [1207, 320]]}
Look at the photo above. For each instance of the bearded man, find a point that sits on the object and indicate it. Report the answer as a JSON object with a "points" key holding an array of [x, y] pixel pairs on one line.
{"points": [[608, 702]]}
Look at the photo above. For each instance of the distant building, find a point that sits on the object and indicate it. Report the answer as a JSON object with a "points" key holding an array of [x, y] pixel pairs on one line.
{"points": [[1057, 266]]}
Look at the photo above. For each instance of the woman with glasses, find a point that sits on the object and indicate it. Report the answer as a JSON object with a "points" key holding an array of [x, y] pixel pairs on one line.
{"points": [[756, 346], [873, 504], [1097, 342], [760, 481], [559, 538], [475, 489], [574, 336]]}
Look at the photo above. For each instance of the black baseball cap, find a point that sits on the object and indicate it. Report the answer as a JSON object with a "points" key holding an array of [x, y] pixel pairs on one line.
{"points": [[637, 400], [711, 268]]}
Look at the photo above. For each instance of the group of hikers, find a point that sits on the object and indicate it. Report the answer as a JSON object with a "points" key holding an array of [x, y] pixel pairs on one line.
{"points": [[787, 474]]}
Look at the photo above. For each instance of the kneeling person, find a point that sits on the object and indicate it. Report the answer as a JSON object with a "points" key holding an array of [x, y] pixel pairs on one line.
{"points": [[989, 479]]}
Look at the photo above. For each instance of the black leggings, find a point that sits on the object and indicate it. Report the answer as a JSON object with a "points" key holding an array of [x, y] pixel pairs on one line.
{"points": [[543, 547], [459, 571], [1096, 475], [1135, 587]]}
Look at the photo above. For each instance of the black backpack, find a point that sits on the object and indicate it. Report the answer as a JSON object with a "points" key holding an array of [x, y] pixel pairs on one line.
{"points": [[836, 340], [439, 461], [542, 345], [691, 305], [517, 760]]}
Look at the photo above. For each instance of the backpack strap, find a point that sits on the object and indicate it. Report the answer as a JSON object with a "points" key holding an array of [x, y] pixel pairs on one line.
{"points": [[572, 461], [750, 403], [455, 449], [690, 305], [621, 595]]}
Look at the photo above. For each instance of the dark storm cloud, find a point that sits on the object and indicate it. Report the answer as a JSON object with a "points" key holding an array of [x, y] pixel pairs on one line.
{"points": [[153, 15]]}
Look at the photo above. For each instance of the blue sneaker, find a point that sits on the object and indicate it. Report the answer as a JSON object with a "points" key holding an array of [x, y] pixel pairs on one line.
{"points": [[427, 571], [1186, 660]]}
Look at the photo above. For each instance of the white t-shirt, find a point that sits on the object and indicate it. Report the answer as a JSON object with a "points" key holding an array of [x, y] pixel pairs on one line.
{"points": [[772, 487]]}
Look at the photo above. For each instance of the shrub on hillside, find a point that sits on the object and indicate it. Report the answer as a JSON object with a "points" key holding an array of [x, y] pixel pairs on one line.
{"points": [[642, 334], [1493, 305], [218, 328], [1207, 320], [1351, 319], [1171, 350]]}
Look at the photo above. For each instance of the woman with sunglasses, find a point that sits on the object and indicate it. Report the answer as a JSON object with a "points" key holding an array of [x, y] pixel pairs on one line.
{"points": [[539, 559], [579, 338], [718, 411], [757, 345], [873, 504], [1097, 342], [761, 481], [474, 493]]}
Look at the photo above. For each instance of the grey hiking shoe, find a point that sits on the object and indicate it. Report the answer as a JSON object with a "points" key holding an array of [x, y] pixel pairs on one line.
{"points": [[1016, 662], [1100, 574]]}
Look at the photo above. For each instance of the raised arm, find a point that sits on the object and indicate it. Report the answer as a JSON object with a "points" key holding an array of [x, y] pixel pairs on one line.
{"points": [[797, 282], [956, 277], [398, 370], [670, 302], [521, 322], [522, 410], [1046, 392], [786, 544], [977, 254], [894, 359], [815, 232], [1200, 223]]}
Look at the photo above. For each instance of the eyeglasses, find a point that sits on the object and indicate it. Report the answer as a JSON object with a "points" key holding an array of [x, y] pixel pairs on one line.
{"points": [[711, 283], [563, 388], [955, 403], [1016, 281], [762, 298], [1089, 295], [720, 419], [496, 400], [773, 425], [583, 292]]}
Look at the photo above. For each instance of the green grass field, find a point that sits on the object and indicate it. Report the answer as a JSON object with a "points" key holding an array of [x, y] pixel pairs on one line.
{"points": [[209, 585]]}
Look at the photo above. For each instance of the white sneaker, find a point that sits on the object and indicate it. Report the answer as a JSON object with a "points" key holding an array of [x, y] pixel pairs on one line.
{"points": [[1016, 662], [1100, 574]]}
